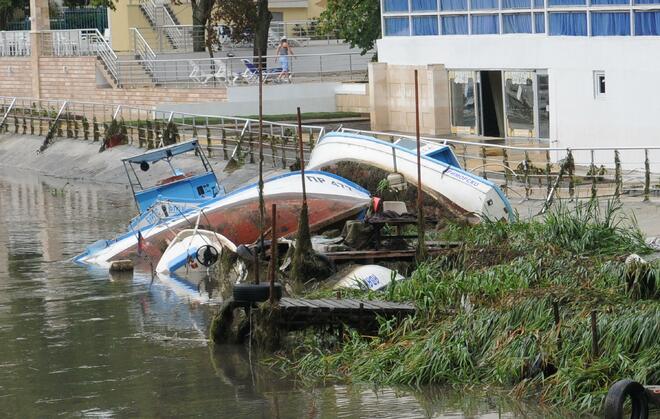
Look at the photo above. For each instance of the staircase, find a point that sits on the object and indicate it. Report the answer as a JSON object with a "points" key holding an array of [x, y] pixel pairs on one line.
{"points": [[134, 73], [166, 25]]}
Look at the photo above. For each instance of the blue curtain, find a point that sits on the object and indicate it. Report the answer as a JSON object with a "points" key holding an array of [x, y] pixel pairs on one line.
{"points": [[647, 23], [395, 5], [646, 1], [572, 24], [565, 2], [484, 24], [396, 26], [610, 24], [518, 23], [425, 25], [454, 25], [424, 5], [610, 1], [516, 4], [483, 4], [453, 4], [539, 4], [539, 23]]}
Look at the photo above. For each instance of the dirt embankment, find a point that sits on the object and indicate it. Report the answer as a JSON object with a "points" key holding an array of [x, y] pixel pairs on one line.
{"points": [[81, 160]]}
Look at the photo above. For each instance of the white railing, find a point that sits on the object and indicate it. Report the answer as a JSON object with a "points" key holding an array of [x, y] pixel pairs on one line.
{"points": [[160, 17], [143, 51], [14, 43], [5, 108], [235, 71], [530, 171]]}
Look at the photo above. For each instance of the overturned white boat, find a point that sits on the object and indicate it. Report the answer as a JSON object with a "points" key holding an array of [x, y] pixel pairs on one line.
{"points": [[193, 250], [442, 177], [369, 277]]}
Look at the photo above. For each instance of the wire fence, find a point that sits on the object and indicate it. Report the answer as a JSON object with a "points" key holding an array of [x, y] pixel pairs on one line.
{"points": [[527, 171]]}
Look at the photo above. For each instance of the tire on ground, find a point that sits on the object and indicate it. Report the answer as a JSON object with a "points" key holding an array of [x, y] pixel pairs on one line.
{"points": [[255, 293], [617, 396]]}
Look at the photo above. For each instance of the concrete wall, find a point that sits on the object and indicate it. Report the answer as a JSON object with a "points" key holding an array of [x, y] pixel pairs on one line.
{"points": [[77, 78], [352, 97], [392, 98], [626, 116], [15, 76], [278, 99]]}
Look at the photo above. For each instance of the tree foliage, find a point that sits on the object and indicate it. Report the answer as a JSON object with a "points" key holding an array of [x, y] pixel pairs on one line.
{"points": [[356, 21], [10, 10], [249, 21]]}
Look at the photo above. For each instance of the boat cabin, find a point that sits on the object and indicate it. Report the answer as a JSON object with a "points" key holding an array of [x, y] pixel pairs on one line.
{"points": [[180, 186], [438, 152]]}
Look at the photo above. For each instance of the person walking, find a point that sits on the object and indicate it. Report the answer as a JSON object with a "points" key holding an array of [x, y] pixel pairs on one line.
{"points": [[283, 51]]}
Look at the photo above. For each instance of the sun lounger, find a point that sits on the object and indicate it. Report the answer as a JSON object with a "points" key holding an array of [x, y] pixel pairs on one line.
{"points": [[251, 73]]}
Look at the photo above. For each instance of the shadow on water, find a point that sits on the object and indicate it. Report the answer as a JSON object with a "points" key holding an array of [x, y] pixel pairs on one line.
{"points": [[79, 342]]}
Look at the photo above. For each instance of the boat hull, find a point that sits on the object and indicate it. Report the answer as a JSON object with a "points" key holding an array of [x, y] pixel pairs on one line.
{"points": [[464, 193], [236, 216]]}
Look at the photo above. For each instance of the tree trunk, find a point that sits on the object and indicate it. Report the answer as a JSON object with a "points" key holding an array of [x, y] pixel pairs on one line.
{"points": [[261, 32], [200, 16]]}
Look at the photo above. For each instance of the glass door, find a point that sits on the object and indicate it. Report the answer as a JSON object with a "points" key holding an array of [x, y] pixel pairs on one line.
{"points": [[463, 103], [543, 100], [519, 109]]}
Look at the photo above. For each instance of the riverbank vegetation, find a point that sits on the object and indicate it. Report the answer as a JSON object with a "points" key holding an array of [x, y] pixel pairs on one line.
{"points": [[513, 307]]}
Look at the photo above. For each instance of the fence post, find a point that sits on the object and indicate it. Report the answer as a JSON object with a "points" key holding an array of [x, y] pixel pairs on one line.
{"points": [[465, 157], [570, 163], [505, 162], [223, 138], [548, 168], [526, 174], [594, 172], [617, 174], [483, 163], [595, 350], [647, 175]]}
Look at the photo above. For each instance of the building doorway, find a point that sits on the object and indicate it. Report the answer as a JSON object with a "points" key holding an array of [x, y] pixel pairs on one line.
{"points": [[492, 105]]}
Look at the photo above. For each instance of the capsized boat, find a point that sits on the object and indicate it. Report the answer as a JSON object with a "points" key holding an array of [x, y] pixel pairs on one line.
{"points": [[463, 192], [330, 199], [195, 250]]}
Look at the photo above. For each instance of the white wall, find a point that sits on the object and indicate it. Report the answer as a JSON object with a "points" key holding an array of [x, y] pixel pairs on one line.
{"points": [[628, 116], [278, 99]]}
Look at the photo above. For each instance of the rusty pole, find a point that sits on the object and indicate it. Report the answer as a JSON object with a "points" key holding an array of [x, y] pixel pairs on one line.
{"points": [[421, 247], [594, 335], [302, 158], [273, 252], [261, 177]]}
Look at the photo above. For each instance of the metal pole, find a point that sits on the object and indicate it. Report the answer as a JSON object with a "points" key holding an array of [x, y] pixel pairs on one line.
{"points": [[421, 251], [273, 252], [302, 158]]}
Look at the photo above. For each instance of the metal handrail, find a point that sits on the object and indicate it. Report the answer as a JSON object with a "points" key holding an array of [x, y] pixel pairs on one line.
{"points": [[106, 53], [172, 30], [4, 117], [143, 50]]}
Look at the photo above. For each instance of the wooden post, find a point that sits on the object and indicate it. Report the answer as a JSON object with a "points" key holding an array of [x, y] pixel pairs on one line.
{"points": [[484, 174], [262, 204], [302, 158], [571, 171], [548, 168], [273, 252], [421, 246], [505, 163], [594, 335]]}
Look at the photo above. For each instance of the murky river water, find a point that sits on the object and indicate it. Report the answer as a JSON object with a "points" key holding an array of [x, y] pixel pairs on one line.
{"points": [[76, 343]]}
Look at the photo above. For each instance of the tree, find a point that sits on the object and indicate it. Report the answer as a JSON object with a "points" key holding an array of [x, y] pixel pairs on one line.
{"points": [[201, 15], [355, 21], [9, 11], [249, 20]]}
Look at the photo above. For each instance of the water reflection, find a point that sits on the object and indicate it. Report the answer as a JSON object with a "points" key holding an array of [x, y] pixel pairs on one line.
{"points": [[78, 342]]}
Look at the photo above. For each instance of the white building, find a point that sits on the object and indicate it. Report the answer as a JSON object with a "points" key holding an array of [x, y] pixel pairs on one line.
{"points": [[580, 73]]}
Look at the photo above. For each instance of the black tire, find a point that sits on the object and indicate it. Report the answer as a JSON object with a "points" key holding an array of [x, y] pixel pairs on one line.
{"points": [[617, 396], [253, 293]]}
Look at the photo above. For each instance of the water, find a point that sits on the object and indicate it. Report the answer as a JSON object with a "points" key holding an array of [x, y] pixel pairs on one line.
{"points": [[75, 342]]}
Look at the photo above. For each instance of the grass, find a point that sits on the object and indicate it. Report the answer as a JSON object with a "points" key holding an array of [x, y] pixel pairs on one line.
{"points": [[485, 314]]}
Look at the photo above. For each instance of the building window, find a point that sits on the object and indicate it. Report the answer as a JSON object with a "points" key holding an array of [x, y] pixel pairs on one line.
{"points": [[483, 4], [646, 1], [454, 25], [647, 23], [485, 24], [539, 22], [425, 25], [570, 24], [424, 5], [539, 4], [599, 84], [610, 24], [566, 2], [605, 2], [516, 4], [453, 4], [397, 26], [395, 5], [518, 23]]}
